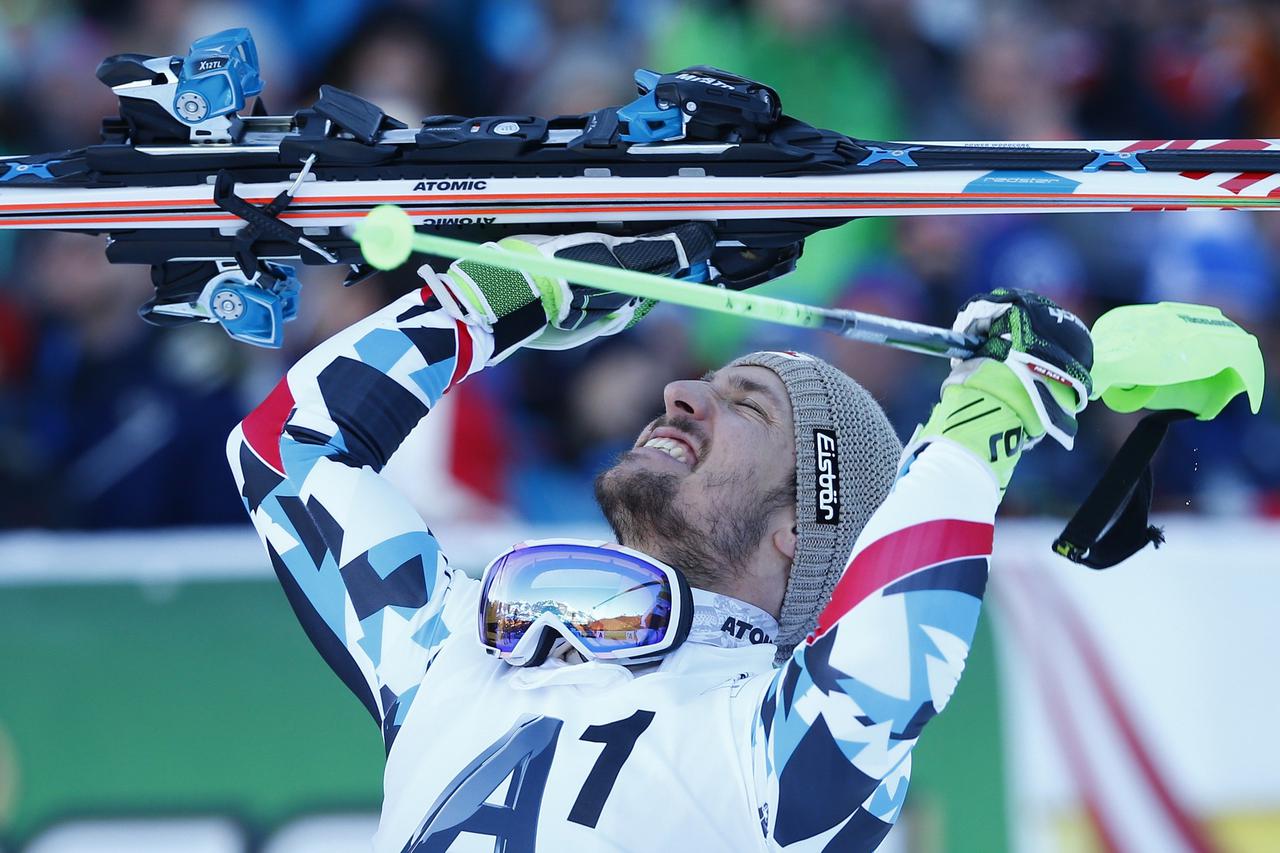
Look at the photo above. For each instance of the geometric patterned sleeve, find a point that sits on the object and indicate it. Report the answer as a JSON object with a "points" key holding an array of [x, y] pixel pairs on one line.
{"points": [[831, 743], [360, 568]]}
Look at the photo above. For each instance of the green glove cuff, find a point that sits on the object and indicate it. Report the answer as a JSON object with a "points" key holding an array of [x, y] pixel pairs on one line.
{"points": [[988, 414], [493, 292], [996, 380], [489, 292], [551, 291]]}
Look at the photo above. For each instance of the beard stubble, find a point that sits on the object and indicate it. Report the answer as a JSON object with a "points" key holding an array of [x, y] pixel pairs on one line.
{"points": [[709, 547]]}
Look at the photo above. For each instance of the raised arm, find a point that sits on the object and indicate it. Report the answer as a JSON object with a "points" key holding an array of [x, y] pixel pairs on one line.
{"points": [[359, 566], [833, 738]]}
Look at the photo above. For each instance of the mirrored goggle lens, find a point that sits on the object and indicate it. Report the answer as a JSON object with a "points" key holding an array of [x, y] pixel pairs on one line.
{"points": [[608, 599]]}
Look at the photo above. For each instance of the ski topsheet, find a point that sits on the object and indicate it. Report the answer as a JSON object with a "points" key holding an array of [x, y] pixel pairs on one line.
{"points": [[215, 200], [478, 203]]}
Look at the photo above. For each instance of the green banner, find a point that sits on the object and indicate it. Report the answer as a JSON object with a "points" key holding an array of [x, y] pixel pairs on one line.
{"points": [[205, 698]]}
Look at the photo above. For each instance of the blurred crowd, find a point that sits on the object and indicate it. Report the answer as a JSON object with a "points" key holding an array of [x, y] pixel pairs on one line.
{"points": [[107, 422]]}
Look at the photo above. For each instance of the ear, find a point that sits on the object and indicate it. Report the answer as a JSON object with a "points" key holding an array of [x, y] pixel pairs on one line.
{"points": [[784, 533]]}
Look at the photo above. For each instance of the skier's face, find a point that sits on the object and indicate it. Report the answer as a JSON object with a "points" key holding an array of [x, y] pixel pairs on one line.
{"points": [[708, 481]]}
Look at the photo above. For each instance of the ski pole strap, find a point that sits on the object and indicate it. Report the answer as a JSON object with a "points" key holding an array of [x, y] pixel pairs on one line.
{"points": [[1120, 502]]}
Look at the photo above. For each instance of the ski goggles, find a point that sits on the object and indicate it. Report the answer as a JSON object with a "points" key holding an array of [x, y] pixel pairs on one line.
{"points": [[607, 601]]}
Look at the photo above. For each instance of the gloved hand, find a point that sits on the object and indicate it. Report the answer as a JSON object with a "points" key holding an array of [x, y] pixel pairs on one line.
{"points": [[482, 294], [1030, 378]]}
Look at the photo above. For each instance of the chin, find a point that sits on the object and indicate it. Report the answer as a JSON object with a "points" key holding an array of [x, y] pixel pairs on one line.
{"points": [[633, 472], [636, 499]]}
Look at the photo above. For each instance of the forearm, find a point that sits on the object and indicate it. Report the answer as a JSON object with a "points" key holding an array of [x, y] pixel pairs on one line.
{"points": [[890, 646], [365, 389], [362, 571], [929, 540], [886, 656]]}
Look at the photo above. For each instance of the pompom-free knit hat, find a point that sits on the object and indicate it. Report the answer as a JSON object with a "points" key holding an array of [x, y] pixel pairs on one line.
{"points": [[846, 460]]}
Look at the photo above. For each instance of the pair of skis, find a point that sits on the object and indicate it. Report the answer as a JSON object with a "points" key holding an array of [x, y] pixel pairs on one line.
{"points": [[222, 205]]}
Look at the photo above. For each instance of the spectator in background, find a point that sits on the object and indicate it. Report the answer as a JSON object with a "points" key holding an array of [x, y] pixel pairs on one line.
{"points": [[531, 47], [399, 60], [50, 98], [117, 417], [1010, 85]]}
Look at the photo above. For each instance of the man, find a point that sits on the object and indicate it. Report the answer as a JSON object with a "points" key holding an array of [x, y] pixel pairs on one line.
{"points": [[706, 684]]}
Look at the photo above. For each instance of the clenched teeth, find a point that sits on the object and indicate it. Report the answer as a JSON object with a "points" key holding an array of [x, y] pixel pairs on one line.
{"points": [[670, 447]]}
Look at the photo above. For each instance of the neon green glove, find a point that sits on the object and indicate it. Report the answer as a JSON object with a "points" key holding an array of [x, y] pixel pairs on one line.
{"points": [[482, 294], [1029, 379]]}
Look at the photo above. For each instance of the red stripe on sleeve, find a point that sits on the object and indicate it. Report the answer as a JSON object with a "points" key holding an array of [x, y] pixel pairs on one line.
{"points": [[462, 364], [899, 554], [262, 427]]}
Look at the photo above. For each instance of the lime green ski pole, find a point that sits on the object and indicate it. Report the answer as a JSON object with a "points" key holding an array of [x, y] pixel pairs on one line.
{"points": [[1162, 356], [387, 238]]}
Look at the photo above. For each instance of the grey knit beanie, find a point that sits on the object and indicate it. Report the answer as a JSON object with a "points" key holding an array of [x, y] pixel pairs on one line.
{"points": [[846, 460]]}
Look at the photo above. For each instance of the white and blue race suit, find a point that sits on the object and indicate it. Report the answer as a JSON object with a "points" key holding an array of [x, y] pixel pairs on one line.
{"points": [[714, 748]]}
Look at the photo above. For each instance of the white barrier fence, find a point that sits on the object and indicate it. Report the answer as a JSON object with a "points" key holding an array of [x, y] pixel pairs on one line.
{"points": [[36, 557], [1139, 702]]}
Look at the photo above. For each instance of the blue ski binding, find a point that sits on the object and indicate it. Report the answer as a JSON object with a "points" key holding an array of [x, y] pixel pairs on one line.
{"points": [[252, 312], [216, 77]]}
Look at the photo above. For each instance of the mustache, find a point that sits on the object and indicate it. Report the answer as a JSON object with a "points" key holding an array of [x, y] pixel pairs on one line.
{"points": [[687, 425]]}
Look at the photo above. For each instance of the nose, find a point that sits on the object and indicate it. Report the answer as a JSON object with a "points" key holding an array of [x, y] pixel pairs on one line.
{"points": [[688, 397]]}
